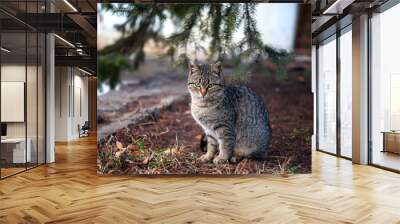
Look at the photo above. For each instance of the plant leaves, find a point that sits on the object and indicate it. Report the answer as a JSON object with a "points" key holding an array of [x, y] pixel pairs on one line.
{"points": [[148, 158], [118, 154], [119, 145]]}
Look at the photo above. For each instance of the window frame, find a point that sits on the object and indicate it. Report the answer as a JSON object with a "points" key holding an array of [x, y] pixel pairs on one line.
{"points": [[347, 27], [31, 30], [378, 10]]}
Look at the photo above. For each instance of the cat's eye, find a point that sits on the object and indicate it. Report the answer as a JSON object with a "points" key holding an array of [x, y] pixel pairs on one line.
{"points": [[196, 85], [211, 85]]}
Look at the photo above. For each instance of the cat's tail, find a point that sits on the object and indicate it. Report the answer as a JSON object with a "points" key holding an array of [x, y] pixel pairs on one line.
{"points": [[203, 143]]}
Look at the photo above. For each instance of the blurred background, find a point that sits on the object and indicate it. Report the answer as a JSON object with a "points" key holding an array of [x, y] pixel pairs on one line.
{"points": [[244, 36]]}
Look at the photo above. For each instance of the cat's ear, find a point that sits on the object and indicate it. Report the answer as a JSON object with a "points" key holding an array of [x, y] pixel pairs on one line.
{"points": [[217, 68], [192, 68]]}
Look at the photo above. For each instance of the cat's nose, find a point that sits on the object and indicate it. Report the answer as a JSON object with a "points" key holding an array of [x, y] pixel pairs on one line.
{"points": [[203, 91]]}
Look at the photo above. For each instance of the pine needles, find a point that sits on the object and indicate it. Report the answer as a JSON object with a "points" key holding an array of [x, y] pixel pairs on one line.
{"points": [[195, 24]]}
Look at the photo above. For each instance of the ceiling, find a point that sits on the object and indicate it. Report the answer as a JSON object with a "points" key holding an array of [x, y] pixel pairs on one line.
{"points": [[73, 21], [331, 15]]}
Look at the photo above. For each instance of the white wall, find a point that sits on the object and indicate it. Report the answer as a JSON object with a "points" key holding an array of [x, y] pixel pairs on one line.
{"points": [[71, 94], [12, 73], [80, 110], [62, 81]]}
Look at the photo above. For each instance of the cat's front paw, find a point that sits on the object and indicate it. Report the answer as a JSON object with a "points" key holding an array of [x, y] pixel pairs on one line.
{"points": [[205, 158], [220, 160], [233, 159]]}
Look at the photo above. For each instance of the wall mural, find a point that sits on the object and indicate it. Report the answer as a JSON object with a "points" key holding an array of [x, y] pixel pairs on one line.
{"points": [[199, 89]]}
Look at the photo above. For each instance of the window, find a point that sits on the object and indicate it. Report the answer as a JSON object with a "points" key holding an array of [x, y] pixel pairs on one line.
{"points": [[327, 96], [22, 101], [385, 89], [346, 93]]}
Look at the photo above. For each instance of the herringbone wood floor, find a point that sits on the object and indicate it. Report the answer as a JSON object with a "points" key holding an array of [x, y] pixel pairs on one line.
{"points": [[69, 191]]}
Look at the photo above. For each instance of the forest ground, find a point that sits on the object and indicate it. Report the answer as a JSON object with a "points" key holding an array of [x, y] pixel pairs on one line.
{"points": [[146, 128]]}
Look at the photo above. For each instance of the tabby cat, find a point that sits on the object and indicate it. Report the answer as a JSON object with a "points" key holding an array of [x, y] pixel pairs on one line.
{"points": [[234, 119]]}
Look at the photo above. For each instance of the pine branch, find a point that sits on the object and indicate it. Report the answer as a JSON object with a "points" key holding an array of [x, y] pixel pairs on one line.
{"points": [[215, 45], [189, 21], [144, 22], [232, 21]]}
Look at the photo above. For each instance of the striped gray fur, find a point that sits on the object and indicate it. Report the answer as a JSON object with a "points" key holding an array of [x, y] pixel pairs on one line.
{"points": [[234, 119]]}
